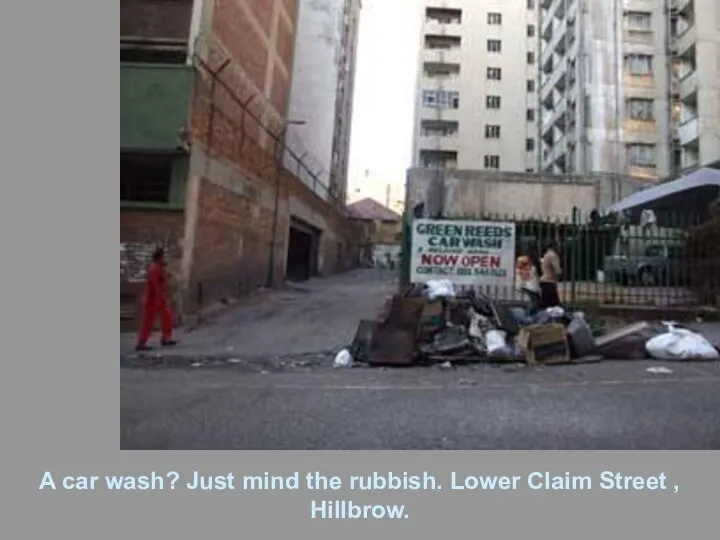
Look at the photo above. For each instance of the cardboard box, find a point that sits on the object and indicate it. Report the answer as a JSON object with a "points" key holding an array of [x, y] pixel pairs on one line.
{"points": [[544, 344], [432, 318]]}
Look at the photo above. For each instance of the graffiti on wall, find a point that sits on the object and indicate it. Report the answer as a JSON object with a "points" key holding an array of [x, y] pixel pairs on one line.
{"points": [[135, 258]]}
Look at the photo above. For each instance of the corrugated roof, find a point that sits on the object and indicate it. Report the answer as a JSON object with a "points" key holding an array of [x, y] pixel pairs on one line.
{"points": [[701, 177], [371, 210]]}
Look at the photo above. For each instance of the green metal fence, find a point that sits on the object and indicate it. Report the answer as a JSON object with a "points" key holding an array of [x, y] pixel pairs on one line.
{"points": [[610, 261]]}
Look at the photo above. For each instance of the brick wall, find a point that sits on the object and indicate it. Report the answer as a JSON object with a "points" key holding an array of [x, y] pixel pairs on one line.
{"points": [[233, 163], [141, 232]]}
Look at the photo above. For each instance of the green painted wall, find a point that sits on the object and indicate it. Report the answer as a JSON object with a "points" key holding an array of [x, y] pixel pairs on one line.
{"points": [[154, 104]]}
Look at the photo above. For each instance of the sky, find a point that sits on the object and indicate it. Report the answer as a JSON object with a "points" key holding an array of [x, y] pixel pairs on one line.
{"points": [[383, 107]]}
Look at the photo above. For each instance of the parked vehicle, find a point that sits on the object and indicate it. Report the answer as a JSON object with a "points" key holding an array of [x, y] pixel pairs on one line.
{"points": [[650, 257]]}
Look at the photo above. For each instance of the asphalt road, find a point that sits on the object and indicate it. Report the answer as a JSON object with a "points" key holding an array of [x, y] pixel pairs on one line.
{"points": [[609, 405]]}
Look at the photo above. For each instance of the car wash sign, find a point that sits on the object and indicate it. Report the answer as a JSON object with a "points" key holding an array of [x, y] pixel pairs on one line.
{"points": [[464, 252]]}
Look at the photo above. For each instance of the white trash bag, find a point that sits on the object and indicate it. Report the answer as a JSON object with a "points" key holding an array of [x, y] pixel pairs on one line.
{"points": [[343, 359], [442, 288], [496, 342], [680, 344]]}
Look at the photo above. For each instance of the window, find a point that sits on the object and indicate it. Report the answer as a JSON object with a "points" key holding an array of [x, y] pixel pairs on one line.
{"points": [[429, 98], [530, 145], [530, 85], [492, 131], [641, 155], [492, 102], [638, 21], [675, 252], [494, 45], [655, 251], [145, 177], [531, 58], [441, 99], [640, 109], [139, 55], [494, 19], [531, 4], [530, 30], [494, 74], [492, 162], [530, 115], [639, 64]]}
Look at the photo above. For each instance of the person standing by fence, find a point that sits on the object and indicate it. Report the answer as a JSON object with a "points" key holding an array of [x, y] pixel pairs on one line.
{"points": [[551, 271], [155, 303]]}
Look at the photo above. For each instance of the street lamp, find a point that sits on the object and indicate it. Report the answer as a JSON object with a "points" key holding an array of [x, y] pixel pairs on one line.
{"points": [[280, 141]]}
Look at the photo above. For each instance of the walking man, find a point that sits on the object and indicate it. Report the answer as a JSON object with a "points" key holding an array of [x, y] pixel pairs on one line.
{"points": [[156, 303]]}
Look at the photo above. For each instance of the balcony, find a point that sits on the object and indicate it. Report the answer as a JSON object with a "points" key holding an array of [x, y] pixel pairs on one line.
{"points": [[154, 104], [558, 112], [688, 85], [558, 72], [559, 34], [689, 131], [443, 143], [442, 56], [558, 150], [442, 27], [680, 5], [684, 41]]}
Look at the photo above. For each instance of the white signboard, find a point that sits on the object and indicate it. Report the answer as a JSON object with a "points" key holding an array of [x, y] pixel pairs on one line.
{"points": [[464, 252]]}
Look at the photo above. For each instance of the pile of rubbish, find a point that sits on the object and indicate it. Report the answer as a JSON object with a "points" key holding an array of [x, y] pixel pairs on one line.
{"points": [[434, 324]]}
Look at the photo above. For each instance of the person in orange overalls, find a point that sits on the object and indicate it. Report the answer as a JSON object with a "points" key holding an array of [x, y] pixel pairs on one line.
{"points": [[155, 302]]}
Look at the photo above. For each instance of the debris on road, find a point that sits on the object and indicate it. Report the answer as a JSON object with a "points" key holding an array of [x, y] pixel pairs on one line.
{"points": [[659, 370], [680, 344], [435, 324], [343, 359]]}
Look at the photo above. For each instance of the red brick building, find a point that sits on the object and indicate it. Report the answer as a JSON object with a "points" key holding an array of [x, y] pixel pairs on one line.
{"points": [[205, 86]]}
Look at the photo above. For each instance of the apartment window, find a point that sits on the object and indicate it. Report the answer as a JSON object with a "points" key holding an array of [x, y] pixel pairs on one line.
{"points": [[530, 145], [494, 19], [492, 102], [531, 4], [640, 109], [641, 155], [531, 30], [639, 64], [530, 85], [494, 45], [638, 21], [441, 99], [145, 177], [492, 162], [494, 74], [492, 131], [530, 114], [531, 58]]}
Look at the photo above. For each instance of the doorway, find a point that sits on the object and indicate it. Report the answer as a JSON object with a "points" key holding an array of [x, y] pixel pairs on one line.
{"points": [[302, 253]]}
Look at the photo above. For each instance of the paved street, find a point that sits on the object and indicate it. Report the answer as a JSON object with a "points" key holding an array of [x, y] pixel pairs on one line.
{"points": [[276, 389]]}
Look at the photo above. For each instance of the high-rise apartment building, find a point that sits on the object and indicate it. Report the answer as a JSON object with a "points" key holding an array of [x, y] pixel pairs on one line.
{"points": [[322, 90], [477, 86], [630, 87]]}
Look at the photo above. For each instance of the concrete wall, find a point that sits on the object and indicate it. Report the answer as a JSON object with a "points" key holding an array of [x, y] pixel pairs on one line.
{"points": [[477, 193], [315, 75]]}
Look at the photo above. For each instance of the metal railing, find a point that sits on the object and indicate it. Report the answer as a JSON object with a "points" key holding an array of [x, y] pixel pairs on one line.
{"points": [[672, 263]]}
